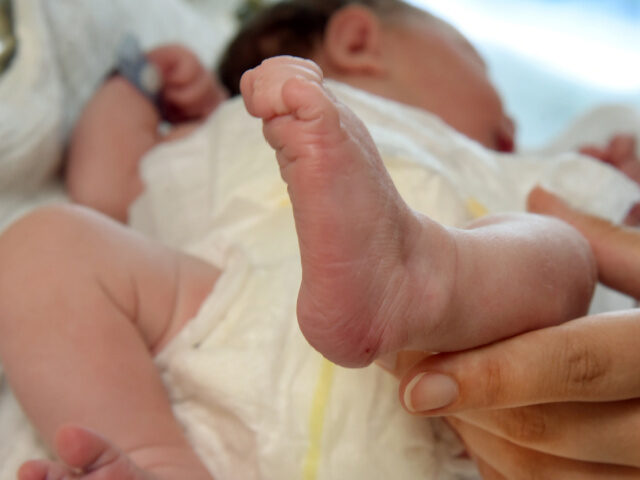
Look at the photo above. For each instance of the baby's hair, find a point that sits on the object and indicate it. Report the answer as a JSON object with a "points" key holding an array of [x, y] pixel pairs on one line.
{"points": [[292, 27]]}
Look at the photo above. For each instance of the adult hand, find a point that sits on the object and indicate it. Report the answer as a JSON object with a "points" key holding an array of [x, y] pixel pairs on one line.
{"points": [[558, 403]]}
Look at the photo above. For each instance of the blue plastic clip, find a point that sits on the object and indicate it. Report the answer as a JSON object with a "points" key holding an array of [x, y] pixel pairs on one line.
{"points": [[132, 64]]}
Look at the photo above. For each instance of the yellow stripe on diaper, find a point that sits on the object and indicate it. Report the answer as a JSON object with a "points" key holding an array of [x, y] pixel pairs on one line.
{"points": [[316, 420], [476, 209], [284, 202]]}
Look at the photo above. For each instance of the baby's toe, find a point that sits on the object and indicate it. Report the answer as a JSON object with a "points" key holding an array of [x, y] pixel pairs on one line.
{"points": [[82, 449], [42, 470], [262, 87]]}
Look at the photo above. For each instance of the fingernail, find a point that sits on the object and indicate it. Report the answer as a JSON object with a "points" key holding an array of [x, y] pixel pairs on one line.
{"points": [[430, 391]]}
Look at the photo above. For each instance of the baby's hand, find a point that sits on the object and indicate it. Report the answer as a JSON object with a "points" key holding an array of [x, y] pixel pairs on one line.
{"points": [[620, 153], [189, 90]]}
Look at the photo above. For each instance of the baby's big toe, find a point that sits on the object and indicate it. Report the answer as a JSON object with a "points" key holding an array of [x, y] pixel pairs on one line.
{"points": [[86, 451], [79, 447]]}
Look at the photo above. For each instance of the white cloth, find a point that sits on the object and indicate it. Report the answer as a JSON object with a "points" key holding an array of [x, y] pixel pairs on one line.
{"points": [[597, 127], [256, 400]]}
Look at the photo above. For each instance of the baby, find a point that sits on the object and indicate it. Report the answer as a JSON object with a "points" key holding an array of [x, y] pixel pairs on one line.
{"points": [[377, 276]]}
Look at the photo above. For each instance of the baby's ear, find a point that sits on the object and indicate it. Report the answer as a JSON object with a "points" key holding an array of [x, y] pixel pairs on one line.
{"points": [[352, 41]]}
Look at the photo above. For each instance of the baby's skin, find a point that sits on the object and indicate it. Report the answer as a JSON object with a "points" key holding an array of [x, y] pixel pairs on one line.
{"points": [[378, 277], [83, 454]]}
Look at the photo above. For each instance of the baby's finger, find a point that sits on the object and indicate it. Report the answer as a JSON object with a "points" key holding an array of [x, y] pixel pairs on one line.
{"points": [[595, 152], [194, 100], [591, 432], [590, 359], [177, 64], [621, 148], [515, 462]]}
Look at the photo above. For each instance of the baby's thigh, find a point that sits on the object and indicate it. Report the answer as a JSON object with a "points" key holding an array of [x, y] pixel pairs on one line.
{"points": [[69, 255], [194, 281]]}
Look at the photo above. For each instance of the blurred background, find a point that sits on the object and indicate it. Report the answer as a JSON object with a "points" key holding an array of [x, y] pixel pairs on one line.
{"points": [[553, 60]]}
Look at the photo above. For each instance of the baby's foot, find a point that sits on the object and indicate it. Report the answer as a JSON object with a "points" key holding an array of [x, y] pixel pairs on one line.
{"points": [[375, 273], [83, 455]]}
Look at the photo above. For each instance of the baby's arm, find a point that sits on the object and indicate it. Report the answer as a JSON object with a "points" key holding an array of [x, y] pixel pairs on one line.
{"points": [[120, 125]]}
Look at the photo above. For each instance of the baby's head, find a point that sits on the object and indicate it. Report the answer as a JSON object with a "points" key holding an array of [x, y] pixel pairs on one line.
{"points": [[386, 47]]}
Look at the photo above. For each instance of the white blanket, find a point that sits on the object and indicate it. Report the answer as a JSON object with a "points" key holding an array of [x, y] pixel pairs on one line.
{"points": [[256, 400]]}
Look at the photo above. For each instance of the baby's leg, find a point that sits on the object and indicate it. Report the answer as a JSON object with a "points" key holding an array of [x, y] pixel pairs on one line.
{"points": [[84, 303], [85, 454], [379, 277]]}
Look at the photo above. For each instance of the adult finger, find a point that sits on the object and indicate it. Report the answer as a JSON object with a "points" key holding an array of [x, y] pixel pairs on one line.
{"points": [[398, 364], [518, 463], [593, 432], [590, 359], [487, 472], [617, 249]]}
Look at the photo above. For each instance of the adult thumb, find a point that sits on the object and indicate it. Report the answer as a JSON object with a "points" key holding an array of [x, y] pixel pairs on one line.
{"points": [[616, 248]]}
